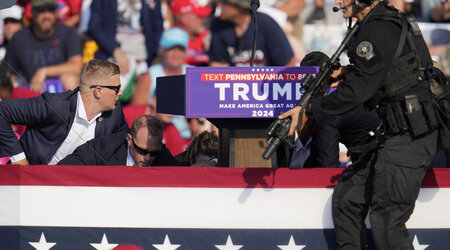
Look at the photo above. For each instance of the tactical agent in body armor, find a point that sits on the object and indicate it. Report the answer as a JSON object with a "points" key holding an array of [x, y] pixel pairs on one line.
{"points": [[390, 71]]}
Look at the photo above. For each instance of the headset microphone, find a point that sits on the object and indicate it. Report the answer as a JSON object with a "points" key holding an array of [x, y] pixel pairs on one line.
{"points": [[336, 9]]}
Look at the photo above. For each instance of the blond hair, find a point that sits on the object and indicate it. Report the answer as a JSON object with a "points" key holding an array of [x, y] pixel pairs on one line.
{"points": [[95, 69]]}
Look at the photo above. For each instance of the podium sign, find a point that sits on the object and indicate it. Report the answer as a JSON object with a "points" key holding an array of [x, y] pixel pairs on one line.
{"points": [[240, 101], [244, 92]]}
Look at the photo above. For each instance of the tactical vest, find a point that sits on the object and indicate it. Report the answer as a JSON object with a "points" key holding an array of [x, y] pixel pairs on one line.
{"points": [[401, 112], [405, 71]]}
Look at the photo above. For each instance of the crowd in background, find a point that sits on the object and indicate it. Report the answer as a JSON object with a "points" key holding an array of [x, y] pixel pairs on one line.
{"points": [[44, 48]]}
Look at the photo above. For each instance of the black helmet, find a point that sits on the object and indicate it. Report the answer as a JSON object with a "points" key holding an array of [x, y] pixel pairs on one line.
{"points": [[368, 2], [362, 4]]}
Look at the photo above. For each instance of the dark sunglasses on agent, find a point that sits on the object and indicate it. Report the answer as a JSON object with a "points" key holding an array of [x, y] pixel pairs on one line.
{"points": [[144, 152], [115, 88]]}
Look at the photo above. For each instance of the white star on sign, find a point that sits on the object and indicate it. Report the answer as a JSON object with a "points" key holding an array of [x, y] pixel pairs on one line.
{"points": [[104, 245], [291, 245], [42, 244], [166, 245], [229, 245], [417, 245]]}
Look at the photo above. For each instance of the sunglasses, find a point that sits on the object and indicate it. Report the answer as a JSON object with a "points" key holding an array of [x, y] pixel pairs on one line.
{"points": [[115, 88], [44, 9], [144, 152]]}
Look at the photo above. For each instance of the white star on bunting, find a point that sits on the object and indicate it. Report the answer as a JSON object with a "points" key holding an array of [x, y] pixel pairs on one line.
{"points": [[291, 245], [166, 245], [42, 244], [417, 245], [229, 245], [104, 245]]}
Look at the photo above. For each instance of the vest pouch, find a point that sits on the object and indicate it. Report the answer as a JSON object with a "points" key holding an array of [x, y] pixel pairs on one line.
{"points": [[390, 118], [430, 114], [400, 117], [415, 116]]}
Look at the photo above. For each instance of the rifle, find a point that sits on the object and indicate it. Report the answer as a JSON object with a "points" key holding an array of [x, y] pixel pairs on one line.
{"points": [[313, 87]]}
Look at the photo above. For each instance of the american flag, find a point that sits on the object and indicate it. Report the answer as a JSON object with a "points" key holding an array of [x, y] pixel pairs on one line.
{"points": [[96, 207]]}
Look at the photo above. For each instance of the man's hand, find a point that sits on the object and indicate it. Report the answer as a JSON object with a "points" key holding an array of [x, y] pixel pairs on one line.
{"points": [[121, 60], [294, 113], [37, 83], [21, 162]]}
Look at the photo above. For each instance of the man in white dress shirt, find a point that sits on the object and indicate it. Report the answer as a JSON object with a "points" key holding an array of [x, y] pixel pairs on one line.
{"points": [[58, 123]]}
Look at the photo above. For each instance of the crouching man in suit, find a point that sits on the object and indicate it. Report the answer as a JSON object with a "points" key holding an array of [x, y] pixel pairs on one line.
{"points": [[57, 123], [143, 147]]}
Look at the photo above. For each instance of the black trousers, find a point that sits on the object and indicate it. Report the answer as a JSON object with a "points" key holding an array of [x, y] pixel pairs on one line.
{"points": [[387, 181]]}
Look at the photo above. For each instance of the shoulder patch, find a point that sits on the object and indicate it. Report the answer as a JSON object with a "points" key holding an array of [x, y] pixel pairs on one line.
{"points": [[415, 27], [365, 50]]}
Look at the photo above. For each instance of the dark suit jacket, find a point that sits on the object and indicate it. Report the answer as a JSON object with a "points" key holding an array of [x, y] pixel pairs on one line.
{"points": [[324, 150], [345, 129], [48, 118], [111, 150]]}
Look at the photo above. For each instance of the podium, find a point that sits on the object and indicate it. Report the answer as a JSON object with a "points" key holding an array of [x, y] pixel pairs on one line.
{"points": [[240, 101]]}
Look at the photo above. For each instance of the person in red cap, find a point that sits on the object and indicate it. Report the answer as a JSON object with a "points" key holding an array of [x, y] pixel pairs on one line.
{"points": [[44, 52], [190, 16]]}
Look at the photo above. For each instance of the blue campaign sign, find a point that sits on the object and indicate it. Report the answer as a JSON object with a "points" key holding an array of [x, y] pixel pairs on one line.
{"points": [[243, 92]]}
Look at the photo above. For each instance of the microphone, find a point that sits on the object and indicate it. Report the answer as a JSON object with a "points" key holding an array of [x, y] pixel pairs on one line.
{"points": [[254, 4], [336, 8]]}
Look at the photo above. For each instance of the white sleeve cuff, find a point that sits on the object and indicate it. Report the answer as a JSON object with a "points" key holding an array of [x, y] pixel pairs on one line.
{"points": [[18, 157]]}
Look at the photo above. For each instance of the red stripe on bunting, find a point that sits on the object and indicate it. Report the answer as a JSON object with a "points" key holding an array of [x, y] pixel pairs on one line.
{"points": [[211, 177]]}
